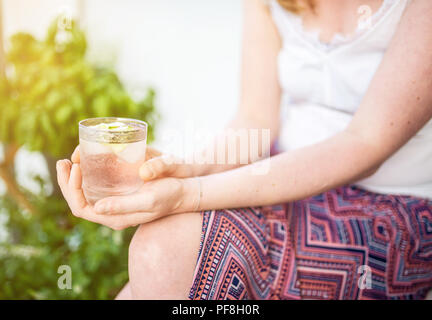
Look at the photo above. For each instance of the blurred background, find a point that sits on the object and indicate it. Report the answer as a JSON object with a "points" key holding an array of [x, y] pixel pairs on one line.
{"points": [[174, 64]]}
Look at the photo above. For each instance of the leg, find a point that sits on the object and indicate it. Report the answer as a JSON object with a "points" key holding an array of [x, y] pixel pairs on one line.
{"points": [[162, 257], [378, 242], [244, 254], [125, 293]]}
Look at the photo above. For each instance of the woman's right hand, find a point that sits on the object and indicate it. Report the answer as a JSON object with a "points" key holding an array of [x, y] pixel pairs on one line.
{"points": [[156, 165]]}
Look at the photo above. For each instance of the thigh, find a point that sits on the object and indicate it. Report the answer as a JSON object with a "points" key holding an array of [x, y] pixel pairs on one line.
{"points": [[243, 254], [355, 244]]}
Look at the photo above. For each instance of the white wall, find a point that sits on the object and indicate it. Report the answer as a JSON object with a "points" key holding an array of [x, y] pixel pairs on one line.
{"points": [[33, 15], [188, 50]]}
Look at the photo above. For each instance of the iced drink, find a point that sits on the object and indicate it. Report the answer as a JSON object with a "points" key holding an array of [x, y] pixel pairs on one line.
{"points": [[111, 152]]}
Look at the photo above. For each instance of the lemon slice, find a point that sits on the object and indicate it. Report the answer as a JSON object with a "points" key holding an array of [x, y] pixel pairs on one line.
{"points": [[116, 147], [114, 126]]}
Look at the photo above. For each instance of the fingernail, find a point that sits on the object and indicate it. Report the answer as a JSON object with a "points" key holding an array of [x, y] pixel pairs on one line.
{"points": [[100, 207], [146, 173]]}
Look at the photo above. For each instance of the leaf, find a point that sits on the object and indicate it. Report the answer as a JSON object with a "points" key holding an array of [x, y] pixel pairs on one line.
{"points": [[52, 99], [77, 102], [47, 126], [51, 87], [40, 88], [100, 106], [63, 113]]}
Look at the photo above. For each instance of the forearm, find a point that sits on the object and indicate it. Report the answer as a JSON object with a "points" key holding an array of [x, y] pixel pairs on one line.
{"points": [[290, 176]]}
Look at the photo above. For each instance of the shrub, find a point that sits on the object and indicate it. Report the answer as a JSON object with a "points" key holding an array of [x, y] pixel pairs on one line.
{"points": [[35, 246], [47, 88]]}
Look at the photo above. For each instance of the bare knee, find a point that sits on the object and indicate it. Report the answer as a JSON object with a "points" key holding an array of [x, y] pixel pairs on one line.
{"points": [[148, 244], [162, 257]]}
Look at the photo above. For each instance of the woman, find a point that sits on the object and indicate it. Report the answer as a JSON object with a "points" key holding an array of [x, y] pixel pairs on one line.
{"points": [[345, 209]]}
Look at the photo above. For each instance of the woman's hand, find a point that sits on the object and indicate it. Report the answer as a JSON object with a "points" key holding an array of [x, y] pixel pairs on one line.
{"points": [[165, 166], [156, 166], [154, 200]]}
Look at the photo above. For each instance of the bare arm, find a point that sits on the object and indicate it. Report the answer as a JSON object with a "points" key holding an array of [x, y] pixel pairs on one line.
{"points": [[259, 99], [397, 105], [260, 91]]}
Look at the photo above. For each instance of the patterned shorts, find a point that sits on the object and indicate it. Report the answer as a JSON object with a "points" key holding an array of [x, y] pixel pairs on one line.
{"points": [[346, 243]]}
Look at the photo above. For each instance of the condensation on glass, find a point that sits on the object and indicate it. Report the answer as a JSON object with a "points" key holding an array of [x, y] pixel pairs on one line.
{"points": [[111, 153]]}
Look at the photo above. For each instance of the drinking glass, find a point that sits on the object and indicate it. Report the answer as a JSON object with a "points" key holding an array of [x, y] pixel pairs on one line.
{"points": [[111, 152]]}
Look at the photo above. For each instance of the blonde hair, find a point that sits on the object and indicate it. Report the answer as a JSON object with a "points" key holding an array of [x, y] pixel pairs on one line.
{"points": [[296, 6]]}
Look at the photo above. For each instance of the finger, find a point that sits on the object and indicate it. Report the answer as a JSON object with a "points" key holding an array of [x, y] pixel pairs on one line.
{"points": [[152, 153], [63, 176], [77, 199], [123, 204], [157, 167], [63, 173], [76, 155], [135, 218], [88, 213], [75, 178], [118, 222]]}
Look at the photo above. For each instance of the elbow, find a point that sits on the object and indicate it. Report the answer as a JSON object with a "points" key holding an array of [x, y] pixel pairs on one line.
{"points": [[369, 172], [369, 156]]}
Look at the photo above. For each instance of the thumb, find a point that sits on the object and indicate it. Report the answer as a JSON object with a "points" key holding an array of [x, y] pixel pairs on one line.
{"points": [[158, 167]]}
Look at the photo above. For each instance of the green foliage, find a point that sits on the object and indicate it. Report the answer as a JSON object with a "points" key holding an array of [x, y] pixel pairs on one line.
{"points": [[38, 244], [49, 87]]}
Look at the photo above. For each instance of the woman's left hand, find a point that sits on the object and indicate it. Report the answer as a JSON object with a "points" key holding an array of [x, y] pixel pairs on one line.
{"points": [[154, 200]]}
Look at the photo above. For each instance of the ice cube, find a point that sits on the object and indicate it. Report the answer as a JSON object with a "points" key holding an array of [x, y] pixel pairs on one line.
{"points": [[133, 152], [90, 147]]}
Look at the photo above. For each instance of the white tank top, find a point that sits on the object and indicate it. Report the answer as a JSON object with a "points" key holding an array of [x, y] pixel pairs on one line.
{"points": [[323, 85]]}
